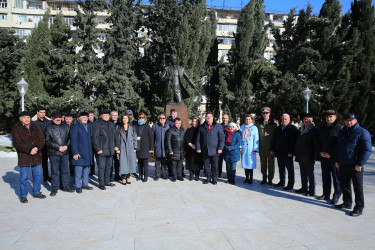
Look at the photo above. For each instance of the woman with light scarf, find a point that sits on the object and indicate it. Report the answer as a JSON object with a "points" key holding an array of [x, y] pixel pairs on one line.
{"points": [[249, 147]]}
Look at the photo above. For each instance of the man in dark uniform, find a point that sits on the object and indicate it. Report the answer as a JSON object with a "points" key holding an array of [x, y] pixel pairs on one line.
{"points": [[42, 122], [326, 143], [353, 149]]}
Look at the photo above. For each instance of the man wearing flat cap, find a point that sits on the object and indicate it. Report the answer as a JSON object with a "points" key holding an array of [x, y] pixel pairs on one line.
{"points": [[267, 128], [58, 148], [325, 146], [353, 149], [306, 154], [28, 139], [103, 141]]}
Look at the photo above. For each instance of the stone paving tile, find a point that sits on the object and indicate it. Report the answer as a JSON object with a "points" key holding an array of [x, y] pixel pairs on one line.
{"points": [[344, 244]]}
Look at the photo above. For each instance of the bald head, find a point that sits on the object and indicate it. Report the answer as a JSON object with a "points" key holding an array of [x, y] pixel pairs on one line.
{"points": [[285, 119]]}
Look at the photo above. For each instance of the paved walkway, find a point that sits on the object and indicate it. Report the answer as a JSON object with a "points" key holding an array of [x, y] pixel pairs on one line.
{"points": [[182, 215]]}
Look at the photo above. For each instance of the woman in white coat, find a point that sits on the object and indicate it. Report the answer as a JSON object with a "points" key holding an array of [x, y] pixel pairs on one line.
{"points": [[249, 147]]}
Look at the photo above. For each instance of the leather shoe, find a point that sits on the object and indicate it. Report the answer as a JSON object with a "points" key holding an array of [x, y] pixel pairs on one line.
{"points": [[196, 178], [205, 181], [263, 182], [343, 206], [79, 190], [270, 183], [53, 193], [310, 194], [287, 187], [323, 197], [246, 181], [301, 190], [214, 182], [250, 181], [70, 190], [156, 178], [278, 185], [110, 184], [180, 179], [102, 187], [173, 179], [87, 187], [39, 196], [23, 200], [334, 201], [356, 212]]}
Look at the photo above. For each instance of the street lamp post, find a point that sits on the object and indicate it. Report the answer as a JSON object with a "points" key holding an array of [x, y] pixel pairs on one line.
{"points": [[22, 88], [307, 94]]}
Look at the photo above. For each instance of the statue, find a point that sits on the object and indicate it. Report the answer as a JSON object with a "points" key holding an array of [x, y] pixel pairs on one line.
{"points": [[175, 89]]}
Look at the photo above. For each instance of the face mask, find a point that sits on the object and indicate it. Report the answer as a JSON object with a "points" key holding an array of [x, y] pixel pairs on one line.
{"points": [[141, 122]]}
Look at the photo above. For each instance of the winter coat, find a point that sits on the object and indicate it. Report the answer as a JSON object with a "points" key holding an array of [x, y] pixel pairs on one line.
{"points": [[231, 151], [147, 140], [248, 159], [353, 146], [327, 138], [24, 143], [80, 141], [210, 141], [193, 159], [170, 122], [159, 139], [266, 135], [42, 124], [175, 143], [305, 149], [284, 141], [127, 143], [103, 137], [57, 136]]}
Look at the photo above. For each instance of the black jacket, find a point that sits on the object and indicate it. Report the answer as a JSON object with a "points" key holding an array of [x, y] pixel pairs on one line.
{"points": [[103, 137], [327, 138], [305, 145], [284, 141], [57, 136], [147, 140], [42, 124], [176, 143]]}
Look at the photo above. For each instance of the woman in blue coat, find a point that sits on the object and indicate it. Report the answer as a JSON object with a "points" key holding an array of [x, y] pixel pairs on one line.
{"points": [[231, 151], [249, 147]]}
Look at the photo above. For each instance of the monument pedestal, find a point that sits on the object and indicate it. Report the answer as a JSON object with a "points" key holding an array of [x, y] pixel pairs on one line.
{"points": [[181, 113]]}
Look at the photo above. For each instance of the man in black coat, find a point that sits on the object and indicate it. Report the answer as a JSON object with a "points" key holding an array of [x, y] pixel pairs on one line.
{"points": [[175, 138], [58, 148], [283, 148], [42, 122], [116, 162], [160, 129], [210, 143], [306, 154], [326, 143], [103, 140]]}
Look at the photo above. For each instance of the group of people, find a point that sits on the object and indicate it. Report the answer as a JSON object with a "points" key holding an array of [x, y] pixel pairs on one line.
{"points": [[122, 145]]}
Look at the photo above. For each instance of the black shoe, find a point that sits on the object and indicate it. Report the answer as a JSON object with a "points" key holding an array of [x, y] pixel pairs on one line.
{"points": [[301, 190], [250, 181], [287, 187], [214, 182], [79, 190], [70, 190], [270, 183], [117, 178], [323, 197], [180, 178], [110, 184], [263, 182], [334, 201], [39, 196], [205, 181], [156, 179], [356, 212], [23, 200], [87, 187], [134, 175], [173, 179], [102, 187], [91, 174], [164, 177], [343, 206], [191, 177], [196, 178], [144, 180], [246, 180], [278, 185], [53, 193], [310, 194]]}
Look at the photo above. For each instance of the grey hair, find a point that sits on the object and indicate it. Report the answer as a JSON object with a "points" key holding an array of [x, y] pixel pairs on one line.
{"points": [[232, 124]]}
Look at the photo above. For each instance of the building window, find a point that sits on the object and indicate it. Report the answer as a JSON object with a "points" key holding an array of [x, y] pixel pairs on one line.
{"points": [[20, 32], [68, 20], [226, 40], [18, 4], [3, 4], [227, 27], [36, 19], [224, 53], [3, 16], [52, 19], [22, 18], [35, 5]]}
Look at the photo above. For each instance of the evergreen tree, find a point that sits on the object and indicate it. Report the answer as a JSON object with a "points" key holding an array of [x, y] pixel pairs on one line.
{"points": [[121, 53], [11, 53]]}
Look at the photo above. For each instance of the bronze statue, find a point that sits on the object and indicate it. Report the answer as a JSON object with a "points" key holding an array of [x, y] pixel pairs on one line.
{"points": [[175, 89]]}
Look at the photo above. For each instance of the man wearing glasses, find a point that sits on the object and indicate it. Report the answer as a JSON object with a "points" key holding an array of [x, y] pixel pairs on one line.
{"points": [[159, 129]]}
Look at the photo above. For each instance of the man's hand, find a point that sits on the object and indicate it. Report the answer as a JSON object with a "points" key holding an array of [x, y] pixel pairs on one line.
{"points": [[100, 152], [63, 148], [219, 151], [199, 151], [34, 151], [151, 151], [358, 168], [337, 165], [75, 157], [192, 145], [171, 153], [117, 150]]}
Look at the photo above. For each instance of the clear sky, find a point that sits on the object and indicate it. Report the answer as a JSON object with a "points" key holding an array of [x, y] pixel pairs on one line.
{"points": [[283, 6]]}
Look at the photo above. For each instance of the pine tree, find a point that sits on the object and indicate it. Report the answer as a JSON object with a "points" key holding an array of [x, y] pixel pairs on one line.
{"points": [[11, 53]]}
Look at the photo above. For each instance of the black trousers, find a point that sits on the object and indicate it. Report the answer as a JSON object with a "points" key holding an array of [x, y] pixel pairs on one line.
{"points": [[104, 169], [161, 167], [60, 167], [116, 166], [210, 166], [143, 168], [348, 174], [285, 162], [220, 165], [329, 173], [92, 167], [177, 167], [45, 163], [307, 176]]}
